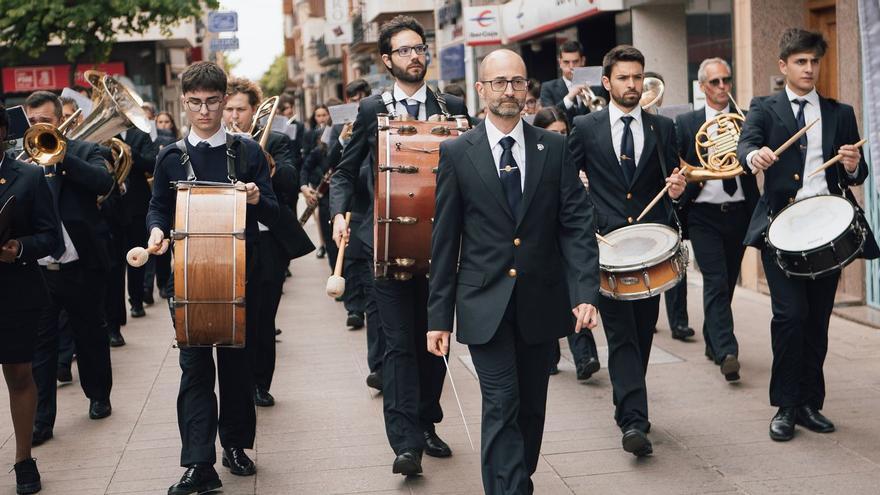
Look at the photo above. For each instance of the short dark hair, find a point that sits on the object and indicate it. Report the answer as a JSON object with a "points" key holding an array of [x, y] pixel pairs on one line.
{"points": [[69, 101], [621, 53], [454, 90], [796, 40], [40, 98], [394, 26], [357, 86], [547, 116], [534, 87], [570, 46], [246, 87], [204, 76]]}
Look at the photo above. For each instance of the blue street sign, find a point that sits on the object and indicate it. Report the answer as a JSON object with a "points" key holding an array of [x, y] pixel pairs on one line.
{"points": [[224, 44], [222, 22]]}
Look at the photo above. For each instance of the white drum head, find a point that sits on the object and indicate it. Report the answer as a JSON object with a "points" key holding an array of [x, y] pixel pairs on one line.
{"points": [[638, 245], [810, 223]]}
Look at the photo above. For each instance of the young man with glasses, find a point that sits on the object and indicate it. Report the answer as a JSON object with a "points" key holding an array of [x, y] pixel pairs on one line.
{"points": [[204, 97], [715, 214], [412, 378]]}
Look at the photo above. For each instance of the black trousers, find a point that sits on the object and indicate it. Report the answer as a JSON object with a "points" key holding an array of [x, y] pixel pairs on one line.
{"points": [[198, 417], [582, 346], [629, 329], [412, 378], [513, 383], [273, 263], [799, 335], [66, 347], [716, 238], [677, 304], [114, 301], [80, 292], [355, 299], [327, 230], [360, 271], [158, 268], [135, 235]]}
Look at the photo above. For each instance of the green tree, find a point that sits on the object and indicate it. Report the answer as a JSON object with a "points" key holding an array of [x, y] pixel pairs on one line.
{"points": [[274, 80], [87, 29]]}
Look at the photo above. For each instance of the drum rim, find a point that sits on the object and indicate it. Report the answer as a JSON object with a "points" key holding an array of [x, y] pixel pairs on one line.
{"points": [[647, 263], [825, 245]]}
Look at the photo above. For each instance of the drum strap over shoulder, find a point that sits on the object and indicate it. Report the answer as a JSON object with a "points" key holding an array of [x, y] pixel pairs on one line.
{"points": [[441, 102], [232, 146], [390, 104], [661, 151]]}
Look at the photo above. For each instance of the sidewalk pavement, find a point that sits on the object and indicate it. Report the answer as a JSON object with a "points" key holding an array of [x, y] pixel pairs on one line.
{"points": [[326, 434]]}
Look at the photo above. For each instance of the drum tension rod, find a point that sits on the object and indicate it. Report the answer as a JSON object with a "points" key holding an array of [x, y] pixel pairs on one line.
{"points": [[178, 235], [401, 147], [177, 303], [402, 169], [400, 220]]}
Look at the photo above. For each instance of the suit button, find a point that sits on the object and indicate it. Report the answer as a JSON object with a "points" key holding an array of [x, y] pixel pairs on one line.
{"points": [[797, 177], [511, 273], [629, 195], [629, 219], [517, 242]]}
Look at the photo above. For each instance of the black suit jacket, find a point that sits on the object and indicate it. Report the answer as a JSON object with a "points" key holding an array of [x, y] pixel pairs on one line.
{"points": [[82, 177], [554, 91], [473, 245], [617, 203], [686, 127], [296, 144], [136, 199], [36, 227], [363, 147], [771, 122], [285, 227]]}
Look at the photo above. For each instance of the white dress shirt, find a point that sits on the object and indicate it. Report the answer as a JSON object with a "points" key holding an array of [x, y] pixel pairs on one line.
{"points": [[713, 190], [518, 149], [70, 255], [617, 125], [419, 96], [217, 139]]}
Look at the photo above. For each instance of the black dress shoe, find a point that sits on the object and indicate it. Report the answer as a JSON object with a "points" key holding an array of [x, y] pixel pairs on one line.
{"points": [[164, 293], [782, 425], [408, 463], [709, 354], [321, 252], [27, 477], [199, 478], [238, 462], [100, 409], [138, 312], [116, 339], [682, 333], [41, 436], [435, 447], [355, 321], [148, 298], [64, 374], [586, 368], [730, 368], [554, 369], [636, 442], [374, 380], [262, 398], [810, 418]]}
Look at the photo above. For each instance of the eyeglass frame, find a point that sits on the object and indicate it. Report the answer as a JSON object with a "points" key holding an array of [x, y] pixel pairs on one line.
{"points": [[507, 82], [718, 81], [410, 50], [189, 104]]}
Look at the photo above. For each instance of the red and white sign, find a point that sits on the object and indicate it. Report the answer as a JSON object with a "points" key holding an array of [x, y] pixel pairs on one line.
{"points": [[519, 20], [49, 77]]}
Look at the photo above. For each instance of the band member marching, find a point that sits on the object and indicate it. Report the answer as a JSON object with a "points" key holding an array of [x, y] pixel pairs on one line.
{"points": [[204, 87], [412, 378], [508, 195], [627, 155], [801, 306]]}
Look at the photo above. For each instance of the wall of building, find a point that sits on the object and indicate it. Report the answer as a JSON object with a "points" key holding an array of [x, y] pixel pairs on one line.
{"points": [[659, 32]]}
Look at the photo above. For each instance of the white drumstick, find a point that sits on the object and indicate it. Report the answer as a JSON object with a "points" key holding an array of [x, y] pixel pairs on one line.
{"points": [[336, 283], [138, 256], [458, 401]]}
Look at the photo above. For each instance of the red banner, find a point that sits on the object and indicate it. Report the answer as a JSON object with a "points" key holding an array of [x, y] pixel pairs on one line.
{"points": [[49, 77]]}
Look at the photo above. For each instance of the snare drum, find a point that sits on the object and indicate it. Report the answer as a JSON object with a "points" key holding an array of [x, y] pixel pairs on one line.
{"points": [[209, 264], [816, 236], [644, 261]]}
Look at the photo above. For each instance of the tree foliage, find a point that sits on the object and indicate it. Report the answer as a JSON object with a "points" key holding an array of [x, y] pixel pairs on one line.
{"points": [[86, 28], [274, 80]]}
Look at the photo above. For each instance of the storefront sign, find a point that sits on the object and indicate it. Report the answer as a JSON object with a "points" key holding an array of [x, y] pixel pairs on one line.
{"points": [[222, 22], [482, 25], [452, 62], [50, 77], [522, 19], [224, 44], [338, 30]]}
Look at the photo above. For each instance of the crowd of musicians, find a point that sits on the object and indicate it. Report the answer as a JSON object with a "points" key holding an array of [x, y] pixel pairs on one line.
{"points": [[514, 253]]}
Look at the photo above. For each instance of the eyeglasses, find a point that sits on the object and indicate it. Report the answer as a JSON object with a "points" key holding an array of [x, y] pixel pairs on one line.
{"points": [[499, 85], [195, 104], [406, 51], [717, 81]]}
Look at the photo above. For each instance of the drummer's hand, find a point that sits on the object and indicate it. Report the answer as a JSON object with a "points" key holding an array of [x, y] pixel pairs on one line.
{"points": [[587, 317], [157, 244], [10, 251], [438, 342], [676, 183], [851, 157], [764, 158], [253, 193], [340, 230]]}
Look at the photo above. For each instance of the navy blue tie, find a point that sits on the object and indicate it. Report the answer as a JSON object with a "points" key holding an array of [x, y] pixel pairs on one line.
{"points": [[627, 151], [801, 123], [509, 173], [412, 108], [203, 146], [55, 188]]}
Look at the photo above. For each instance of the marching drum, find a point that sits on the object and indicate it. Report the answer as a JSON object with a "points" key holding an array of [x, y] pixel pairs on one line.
{"points": [[409, 152], [209, 264], [641, 261], [816, 236]]}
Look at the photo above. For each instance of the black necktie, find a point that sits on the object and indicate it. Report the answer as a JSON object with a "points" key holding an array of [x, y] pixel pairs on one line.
{"points": [[509, 173], [412, 108], [627, 151], [55, 188], [801, 123], [203, 146]]}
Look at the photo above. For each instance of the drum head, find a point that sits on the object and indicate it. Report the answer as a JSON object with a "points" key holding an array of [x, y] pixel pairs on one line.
{"points": [[638, 245], [810, 223]]}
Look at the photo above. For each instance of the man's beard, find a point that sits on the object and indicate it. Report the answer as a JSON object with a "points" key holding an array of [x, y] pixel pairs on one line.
{"points": [[402, 73], [506, 111], [629, 101]]}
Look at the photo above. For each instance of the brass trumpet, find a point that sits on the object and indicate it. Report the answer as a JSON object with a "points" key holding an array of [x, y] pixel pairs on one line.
{"points": [[593, 102]]}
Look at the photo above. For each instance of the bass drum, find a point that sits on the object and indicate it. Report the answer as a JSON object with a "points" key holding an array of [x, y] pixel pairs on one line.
{"points": [[641, 261]]}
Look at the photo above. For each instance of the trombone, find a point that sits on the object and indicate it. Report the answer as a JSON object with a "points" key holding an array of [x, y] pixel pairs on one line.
{"points": [[268, 108]]}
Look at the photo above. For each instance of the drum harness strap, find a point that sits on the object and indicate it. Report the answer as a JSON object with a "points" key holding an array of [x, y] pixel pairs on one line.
{"points": [[391, 104], [232, 146], [661, 151]]}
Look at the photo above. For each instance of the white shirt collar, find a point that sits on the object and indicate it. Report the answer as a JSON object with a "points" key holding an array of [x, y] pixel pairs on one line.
{"points": [[218, 139], [494, 135], [420, 96], [568, 82], [812, 97], [617, 113], [711, 112]]}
